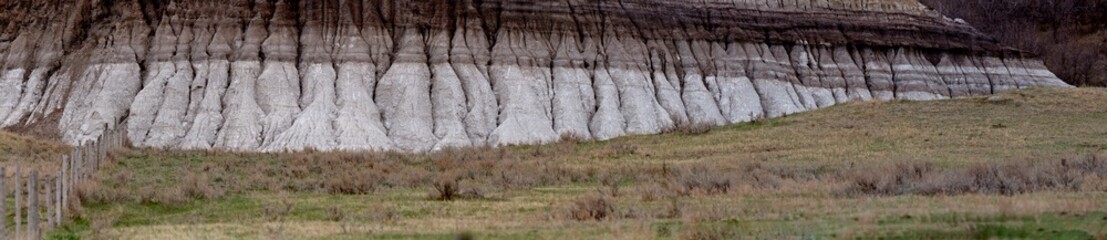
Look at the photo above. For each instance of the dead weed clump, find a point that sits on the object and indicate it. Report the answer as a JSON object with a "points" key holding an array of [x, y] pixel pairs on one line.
{"points": [[446, 188], [451, 186], [592, 207], [383, 213], [198, 186], [336, 214], [165, 196]]}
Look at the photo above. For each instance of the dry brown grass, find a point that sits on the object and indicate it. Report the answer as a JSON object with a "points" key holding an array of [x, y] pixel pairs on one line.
{"points": [[799, 169], [1068, 174], [278, 210], [471, 173], [761, 155], [30, 153], [681, 125], [100, 226], [95, 192]]}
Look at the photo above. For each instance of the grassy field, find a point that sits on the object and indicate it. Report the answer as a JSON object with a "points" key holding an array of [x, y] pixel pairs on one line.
{"points": [[19, 149], [1025, 164]]}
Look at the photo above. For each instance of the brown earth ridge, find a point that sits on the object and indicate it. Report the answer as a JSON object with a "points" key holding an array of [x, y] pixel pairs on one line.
{"points": [[282, 75]]}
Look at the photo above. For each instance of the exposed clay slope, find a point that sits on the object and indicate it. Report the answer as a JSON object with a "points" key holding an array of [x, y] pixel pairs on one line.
{"points": [[421, 75]]}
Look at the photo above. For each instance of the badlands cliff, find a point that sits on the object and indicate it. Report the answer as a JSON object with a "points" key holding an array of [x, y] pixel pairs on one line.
{"points": [[277, 75]]}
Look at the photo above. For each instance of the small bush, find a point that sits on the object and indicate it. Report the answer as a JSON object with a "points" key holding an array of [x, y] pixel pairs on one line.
{"points": [[591, 207], [353, 182], [610, 184], [446, 187], [336, 214], [383, 214], [700, 180], [654, 191], [278, 210], [198, 186], [696, 231], [674, 209], [94, 192]]}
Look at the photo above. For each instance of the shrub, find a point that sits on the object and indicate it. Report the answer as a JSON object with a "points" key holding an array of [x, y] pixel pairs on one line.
{"points": [[696, 231], [352, 181], [383, 213], [991, 178], [446, 187], [94, 192], [592, 207], [700, 180], [198, 186], [884, 180], [336, 214], [166, 196], [277, 210], [609, 184], [674, 209], [654, 191]]}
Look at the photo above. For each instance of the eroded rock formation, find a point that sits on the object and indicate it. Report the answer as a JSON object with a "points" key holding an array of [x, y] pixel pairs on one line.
{"points": [[276, 75]]}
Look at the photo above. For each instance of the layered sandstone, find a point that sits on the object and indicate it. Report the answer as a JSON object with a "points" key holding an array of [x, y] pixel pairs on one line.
{"points": [[277, 75]]}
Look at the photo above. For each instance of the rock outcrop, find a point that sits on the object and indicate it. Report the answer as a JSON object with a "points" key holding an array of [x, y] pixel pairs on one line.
{"points": [[416, 75]]}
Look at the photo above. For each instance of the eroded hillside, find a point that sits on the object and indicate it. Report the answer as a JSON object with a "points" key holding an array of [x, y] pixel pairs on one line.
{"points": [[420, 75]]}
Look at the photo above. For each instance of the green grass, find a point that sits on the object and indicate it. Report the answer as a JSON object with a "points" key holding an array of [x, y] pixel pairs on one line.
{"points": [[1037, 124]]}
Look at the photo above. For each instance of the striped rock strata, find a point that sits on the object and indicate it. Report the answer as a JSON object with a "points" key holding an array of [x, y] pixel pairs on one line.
{"points": [[277, 75]]}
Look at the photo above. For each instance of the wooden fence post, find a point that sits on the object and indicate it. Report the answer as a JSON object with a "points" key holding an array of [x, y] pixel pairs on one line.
{"points": [[18, 202], [73, 160], [58, 203], [64, 185], [77, 162], [3, 202], [48, 193], [32, 208], [100, 155]]}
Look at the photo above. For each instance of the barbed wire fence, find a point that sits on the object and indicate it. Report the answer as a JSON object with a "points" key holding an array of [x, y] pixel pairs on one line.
{"points": [[42, 197]]}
